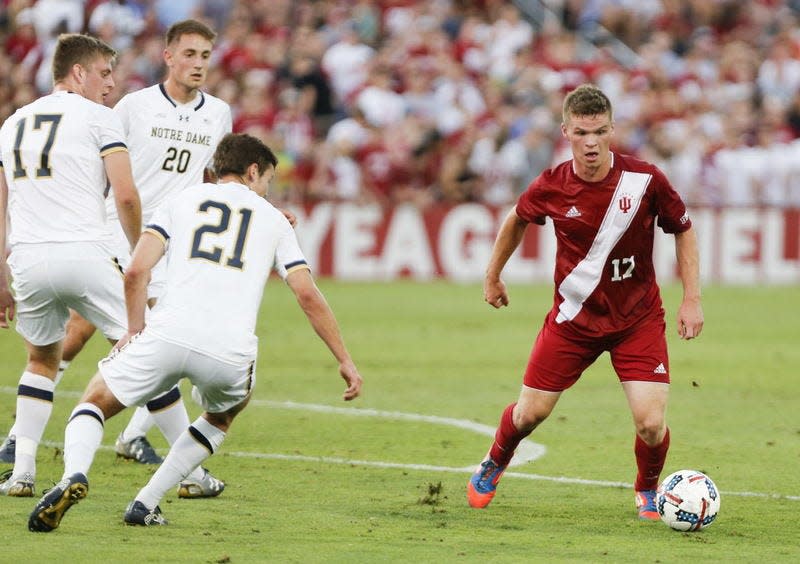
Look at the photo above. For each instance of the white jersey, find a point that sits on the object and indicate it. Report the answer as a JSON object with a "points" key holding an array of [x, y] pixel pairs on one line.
{"points": [[222, 242], [52, 156], [171, 144]]}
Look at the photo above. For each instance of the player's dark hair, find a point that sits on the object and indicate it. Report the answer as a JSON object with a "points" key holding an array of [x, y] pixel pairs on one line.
{"points": [[189, 27], [237, 151], [76, 48], [586, 100]]}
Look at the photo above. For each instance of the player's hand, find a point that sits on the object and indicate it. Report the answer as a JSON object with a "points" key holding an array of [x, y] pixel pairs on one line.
{"points": [[125, 340], [7, 307], [690, 319], [290, 217], [350, 374], [494, 292]]}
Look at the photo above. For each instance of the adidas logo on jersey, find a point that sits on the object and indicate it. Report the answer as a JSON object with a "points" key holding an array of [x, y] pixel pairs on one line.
{"points": [[660, 369], [573, 212]]}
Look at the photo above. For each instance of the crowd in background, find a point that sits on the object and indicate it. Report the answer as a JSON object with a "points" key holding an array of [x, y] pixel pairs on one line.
{"points": [[460, 101]]}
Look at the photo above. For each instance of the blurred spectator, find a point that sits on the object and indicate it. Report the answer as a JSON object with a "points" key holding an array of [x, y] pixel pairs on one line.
{"points": [[346, 64], [170, 11], [117, 22], [381, 105], [23, 39], [51, 17]]}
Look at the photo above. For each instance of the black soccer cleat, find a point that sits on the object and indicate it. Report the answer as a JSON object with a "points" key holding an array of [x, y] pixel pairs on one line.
{"points": [[138, 514], [48, 513], [138, 449]]}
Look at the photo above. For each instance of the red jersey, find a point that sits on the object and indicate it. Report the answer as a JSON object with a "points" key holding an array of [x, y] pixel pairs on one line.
{"points": [[604, 276]]}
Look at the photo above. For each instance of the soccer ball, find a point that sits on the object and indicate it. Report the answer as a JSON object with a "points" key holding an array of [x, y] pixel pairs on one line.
{"points": [[687, 500]]}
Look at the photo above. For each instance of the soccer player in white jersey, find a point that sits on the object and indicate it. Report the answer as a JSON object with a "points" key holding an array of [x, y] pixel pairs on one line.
{"points": [[224, 239], [172, 129], [58, 153]]}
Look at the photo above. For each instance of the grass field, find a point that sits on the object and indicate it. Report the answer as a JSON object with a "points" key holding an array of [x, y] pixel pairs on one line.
{"points": [[382, 479]]}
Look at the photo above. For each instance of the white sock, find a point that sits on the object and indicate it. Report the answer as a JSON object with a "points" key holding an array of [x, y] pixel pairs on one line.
{"points": [[62, 367], [60, 374], [194, 445], [82, 438], [169, 413], [34, 406], [140, 423]]}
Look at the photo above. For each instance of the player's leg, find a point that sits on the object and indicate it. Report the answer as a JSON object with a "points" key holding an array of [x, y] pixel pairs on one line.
{"points": [[202, 439], [40, 320], [82, 438], [642, 365], [34, 406], [648, 402], [169, 414], [517, 421], [79, 331], [554, 365], [224, 392]]}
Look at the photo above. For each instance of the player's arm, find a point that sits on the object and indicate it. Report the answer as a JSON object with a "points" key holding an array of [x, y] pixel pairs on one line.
{"points": [[126, 197], [324, 322], [508, 239], [7, 306], [690, 312], [147, 253]]}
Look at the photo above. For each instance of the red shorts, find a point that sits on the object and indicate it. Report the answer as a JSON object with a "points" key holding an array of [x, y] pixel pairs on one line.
{"points": [[558, 360]]}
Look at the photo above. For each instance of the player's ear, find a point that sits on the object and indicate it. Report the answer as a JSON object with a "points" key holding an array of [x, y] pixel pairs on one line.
{"points": [[253, 173]]}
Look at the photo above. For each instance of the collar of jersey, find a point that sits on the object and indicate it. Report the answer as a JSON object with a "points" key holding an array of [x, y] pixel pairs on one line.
{"points": [[174, 103]]}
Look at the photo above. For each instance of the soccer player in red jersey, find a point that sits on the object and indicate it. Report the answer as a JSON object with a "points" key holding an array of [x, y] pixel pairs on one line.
{"points": [[604, 207]]}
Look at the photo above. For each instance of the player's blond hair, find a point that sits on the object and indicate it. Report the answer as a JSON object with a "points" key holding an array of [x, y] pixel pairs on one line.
{"points": [[586, 100], [189, 27], [76, 48]]}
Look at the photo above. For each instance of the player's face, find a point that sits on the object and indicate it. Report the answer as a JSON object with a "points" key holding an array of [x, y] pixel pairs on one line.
{"points": [[187, 60], [97, 80], [590, 140], [262, 184]]}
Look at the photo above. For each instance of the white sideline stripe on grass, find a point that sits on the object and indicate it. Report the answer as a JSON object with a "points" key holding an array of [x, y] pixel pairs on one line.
{"points": [[397, 415], [528, 451]]}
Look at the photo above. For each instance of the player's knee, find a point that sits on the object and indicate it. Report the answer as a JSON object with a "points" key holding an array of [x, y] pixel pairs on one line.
{"points": [[526, 419], [99, 394], [651, 429], [221, 421]]}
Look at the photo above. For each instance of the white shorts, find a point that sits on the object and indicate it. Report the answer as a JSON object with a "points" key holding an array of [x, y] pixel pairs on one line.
{"points": [[158, 276], [51, 278], [149, 366]]}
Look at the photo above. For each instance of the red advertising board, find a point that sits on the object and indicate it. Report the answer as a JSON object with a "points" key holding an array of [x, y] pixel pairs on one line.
{"points": [[370, 242]]}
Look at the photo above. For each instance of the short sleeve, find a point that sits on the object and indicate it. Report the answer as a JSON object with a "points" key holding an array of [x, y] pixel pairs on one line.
{"points": [[670, 209], [530, 205], [108, 131], [160, 224], [288, 256]]}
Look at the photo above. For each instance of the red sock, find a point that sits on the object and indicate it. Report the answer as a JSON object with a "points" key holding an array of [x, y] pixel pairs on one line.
{"points": [[506, 438], [649, 461]]}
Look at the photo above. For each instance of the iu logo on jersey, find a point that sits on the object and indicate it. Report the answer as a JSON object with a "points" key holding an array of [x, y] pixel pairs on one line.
{"points": [[625, 204]]}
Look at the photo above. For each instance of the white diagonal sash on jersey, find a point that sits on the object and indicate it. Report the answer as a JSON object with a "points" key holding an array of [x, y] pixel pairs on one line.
{"points": [[584, 278]]}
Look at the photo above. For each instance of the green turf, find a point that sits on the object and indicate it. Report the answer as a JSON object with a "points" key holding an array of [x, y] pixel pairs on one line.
{"points": [[308, 486]]}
